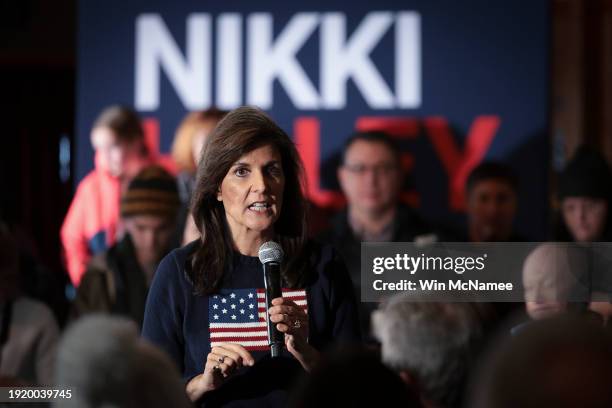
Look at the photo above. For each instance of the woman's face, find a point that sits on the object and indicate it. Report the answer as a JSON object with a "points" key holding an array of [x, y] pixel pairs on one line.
{"points": [[585, 217], [252, 191], [117, 158]]}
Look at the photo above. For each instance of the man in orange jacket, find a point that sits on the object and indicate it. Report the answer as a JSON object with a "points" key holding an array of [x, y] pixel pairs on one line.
{"points": [[92, 224]]}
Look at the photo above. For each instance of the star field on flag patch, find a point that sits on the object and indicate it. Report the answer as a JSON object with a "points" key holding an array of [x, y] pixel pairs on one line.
{"points": [[239, 316]]}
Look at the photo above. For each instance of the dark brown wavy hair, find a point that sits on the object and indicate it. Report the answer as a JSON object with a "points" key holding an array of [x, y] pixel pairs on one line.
{"points": [[238, 133]]}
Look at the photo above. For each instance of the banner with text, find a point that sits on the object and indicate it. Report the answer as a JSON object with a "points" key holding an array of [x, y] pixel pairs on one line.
{"points": [[455, 82]]}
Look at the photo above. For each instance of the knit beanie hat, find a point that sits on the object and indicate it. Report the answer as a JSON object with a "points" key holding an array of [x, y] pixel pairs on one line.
{"points": [[586, 175], [152, 192]]}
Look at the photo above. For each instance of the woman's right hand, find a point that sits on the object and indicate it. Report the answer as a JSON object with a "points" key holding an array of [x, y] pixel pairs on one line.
{"points": [[222, 361]]}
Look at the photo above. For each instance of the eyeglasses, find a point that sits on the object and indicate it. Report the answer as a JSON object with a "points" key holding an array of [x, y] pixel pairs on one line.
{"points": [[383, 169]]}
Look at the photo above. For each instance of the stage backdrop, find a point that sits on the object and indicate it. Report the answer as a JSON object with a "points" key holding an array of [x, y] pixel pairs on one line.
{"points": [[456, 81]]}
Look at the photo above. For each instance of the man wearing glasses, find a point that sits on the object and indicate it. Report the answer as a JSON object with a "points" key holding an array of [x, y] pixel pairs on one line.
{"points": [[371, 178]]}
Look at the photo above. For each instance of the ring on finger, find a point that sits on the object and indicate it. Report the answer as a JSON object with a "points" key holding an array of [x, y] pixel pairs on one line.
{"points": [[221, 359]]}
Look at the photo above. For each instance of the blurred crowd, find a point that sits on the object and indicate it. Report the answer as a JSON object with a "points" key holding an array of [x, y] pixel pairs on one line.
{"points": [[131, 210]]}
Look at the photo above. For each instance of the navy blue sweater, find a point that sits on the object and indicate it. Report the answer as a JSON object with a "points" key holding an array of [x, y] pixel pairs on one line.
{"points": [[181, 322]]}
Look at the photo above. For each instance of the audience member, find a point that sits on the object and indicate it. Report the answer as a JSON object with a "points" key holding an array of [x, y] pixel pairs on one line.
{"points": [[92, 222], [28, 330], [37, 281], [104, 363], [557, 280], [565, 361], [371, 178], [585, 191], [186, 151], [491, 202], [117, 280], [555, 277], [353, 378], [430, 344], [585, 194]]}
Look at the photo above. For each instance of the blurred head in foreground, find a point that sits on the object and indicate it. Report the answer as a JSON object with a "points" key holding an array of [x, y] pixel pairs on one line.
{"points": [[430, 345], [106, 364], [352, 378], [558, 362]]}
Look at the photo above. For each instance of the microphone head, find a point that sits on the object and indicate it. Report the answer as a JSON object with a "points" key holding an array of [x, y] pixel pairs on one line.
{"points": [[271, 252]]}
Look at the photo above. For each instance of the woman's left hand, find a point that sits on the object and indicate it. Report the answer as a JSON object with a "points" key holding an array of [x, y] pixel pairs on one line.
{"points": [[291, 320]]}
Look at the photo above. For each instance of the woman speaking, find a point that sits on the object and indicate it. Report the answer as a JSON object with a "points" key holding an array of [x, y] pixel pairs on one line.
{"points": [[206, 306]]}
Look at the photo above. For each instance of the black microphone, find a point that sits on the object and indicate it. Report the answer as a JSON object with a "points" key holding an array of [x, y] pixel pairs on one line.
{"points": [[271, 256]]}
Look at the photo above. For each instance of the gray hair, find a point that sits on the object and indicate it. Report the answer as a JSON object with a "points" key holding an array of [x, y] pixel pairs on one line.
{"points": [[105, 364], [431, 341]]}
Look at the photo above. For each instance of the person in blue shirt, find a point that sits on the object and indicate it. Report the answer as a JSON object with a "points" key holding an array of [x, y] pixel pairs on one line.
{"points": [[206, 305]]}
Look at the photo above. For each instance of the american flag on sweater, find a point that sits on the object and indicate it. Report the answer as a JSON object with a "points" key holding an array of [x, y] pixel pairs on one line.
{"points": [[239, 316]]}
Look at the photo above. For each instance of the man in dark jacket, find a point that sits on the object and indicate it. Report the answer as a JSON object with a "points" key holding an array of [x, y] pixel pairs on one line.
{"points": [[491, 201], [117, 280], [371, 178]]}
